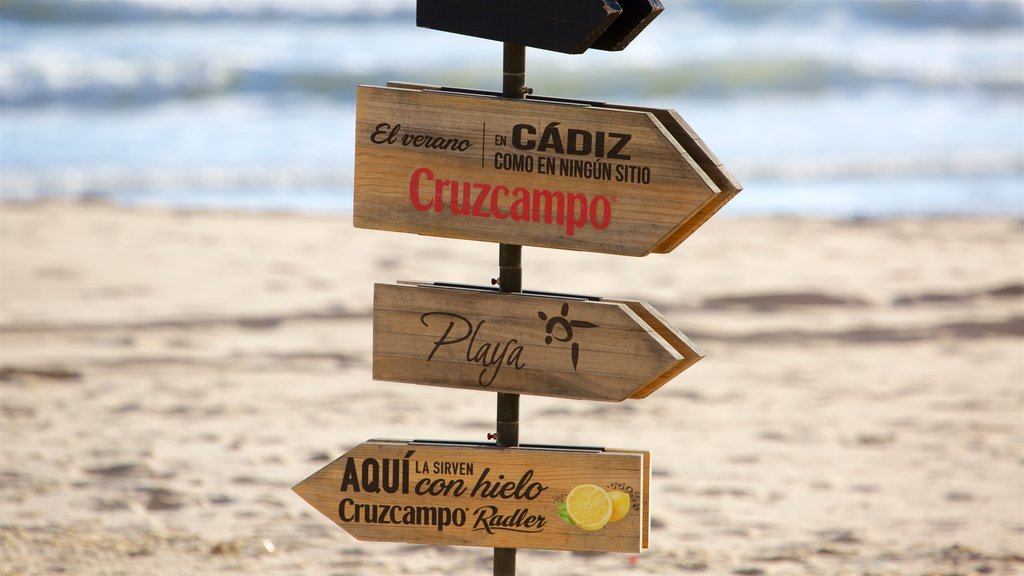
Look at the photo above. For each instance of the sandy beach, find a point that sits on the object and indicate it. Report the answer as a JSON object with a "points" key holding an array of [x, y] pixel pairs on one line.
{"points": [[166, 377]]}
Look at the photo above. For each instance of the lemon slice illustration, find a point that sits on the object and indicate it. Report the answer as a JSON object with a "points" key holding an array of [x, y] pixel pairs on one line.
{"points": [[589, 506]]}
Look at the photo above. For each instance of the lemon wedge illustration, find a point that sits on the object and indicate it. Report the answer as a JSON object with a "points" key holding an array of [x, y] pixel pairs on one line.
{"points": [[620, 505], [589, 506]]}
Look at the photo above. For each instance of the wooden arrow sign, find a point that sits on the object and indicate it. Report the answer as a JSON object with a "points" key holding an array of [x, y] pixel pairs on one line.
{"points": [[567, 26], [482, 339], [537, 172], [684, 135], [480, 495]]}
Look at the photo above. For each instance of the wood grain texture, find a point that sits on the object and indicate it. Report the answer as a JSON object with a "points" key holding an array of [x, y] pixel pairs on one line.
{"points": [[644, 186], [687, 349], [567, 26], [694, 145], [523, 344], [478, 495]]}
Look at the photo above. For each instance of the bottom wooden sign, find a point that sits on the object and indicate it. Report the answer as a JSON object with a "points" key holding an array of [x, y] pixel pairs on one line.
{"points": [[467, 494]]}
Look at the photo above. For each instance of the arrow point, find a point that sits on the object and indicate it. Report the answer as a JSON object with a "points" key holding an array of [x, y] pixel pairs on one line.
{"points": [[566, 26], [636, 15]]}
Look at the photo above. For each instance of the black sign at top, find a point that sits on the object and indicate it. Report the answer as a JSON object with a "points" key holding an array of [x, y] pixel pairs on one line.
{"points": [[567, 26]]}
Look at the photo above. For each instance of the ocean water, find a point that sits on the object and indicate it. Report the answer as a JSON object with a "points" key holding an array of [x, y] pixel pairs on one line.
{"points": [[833, 107]]}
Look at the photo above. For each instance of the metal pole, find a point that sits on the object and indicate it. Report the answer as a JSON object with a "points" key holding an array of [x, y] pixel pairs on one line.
{"points": [[513, 83], [510, 279]]}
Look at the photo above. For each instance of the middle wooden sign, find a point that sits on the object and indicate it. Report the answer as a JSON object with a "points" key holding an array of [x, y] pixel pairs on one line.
{"points": [[524, 343], [569, 175]]}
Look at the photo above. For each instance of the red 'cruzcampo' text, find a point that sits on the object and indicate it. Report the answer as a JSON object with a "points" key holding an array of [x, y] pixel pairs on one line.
{"points": [[482, 200]]}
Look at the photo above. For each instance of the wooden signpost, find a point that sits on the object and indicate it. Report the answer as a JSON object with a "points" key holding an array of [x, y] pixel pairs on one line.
{"points": [[535, 172], [519, 170], [478, 495], [482, 339]]}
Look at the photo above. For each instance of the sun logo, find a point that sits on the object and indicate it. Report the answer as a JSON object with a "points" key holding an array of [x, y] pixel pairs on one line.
{"points": [[560, 328]]}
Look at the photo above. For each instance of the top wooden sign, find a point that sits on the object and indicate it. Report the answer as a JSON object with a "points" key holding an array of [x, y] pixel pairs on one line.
{"points": [[538, 172], [568, 26]]}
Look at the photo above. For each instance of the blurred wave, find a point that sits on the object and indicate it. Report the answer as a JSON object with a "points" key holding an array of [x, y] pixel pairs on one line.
{"points": [[74, 182], [114, 53], [125, 82], [910, 14], [977, 15], [252, 101], [958, 166], [91, 182], [119, 82], [73, 12]]}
